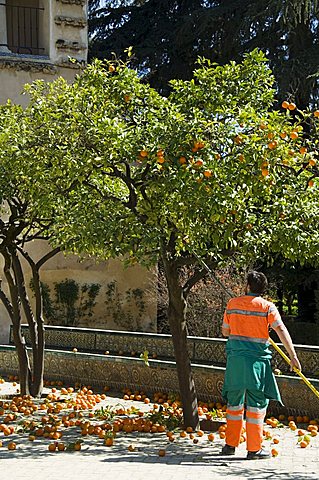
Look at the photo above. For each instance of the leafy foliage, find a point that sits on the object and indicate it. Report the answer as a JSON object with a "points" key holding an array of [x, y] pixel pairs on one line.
{"points": [[211, 165]]}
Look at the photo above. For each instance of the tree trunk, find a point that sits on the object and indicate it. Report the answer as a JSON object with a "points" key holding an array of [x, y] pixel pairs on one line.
{"points": [[25, 375], [31, 381], [14, 309], [38, 355], [177, 321], [35, 383]]}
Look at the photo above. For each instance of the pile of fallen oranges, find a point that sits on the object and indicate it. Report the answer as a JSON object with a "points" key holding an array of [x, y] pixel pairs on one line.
{"points": [[86, 413]]}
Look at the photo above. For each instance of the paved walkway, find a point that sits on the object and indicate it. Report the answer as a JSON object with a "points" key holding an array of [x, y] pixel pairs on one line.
{"points": [[183, 460]]}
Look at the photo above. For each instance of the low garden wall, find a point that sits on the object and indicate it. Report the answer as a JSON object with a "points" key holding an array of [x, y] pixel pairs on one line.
{"points": [[118, 372], [202, 351]]}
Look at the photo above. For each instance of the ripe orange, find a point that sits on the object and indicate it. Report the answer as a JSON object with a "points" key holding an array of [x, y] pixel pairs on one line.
{"points": [[293, 135], [143, 153], [207, 173], [274, 452], [182, 160], [316, 113], [311, 183], [162, 452], [161, 160], [272, 145], [292, 106], [52, 447], [312, 162], [285, 104], [111, 68], [275, 440], [211, 437], [265, 172], [12, 446], [238, 139], [199, 163], [303, 150], [303, 444]]}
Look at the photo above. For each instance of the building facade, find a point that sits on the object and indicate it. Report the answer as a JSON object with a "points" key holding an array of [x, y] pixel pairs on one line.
{"points": [[39, 40]]}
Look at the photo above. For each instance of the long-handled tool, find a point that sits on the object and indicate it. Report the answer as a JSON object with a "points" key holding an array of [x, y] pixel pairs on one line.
{"points": [[279, 350], [295, 369]]}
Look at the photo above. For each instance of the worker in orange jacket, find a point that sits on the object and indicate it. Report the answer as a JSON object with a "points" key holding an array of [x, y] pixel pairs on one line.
{"points": [[249, 379]]}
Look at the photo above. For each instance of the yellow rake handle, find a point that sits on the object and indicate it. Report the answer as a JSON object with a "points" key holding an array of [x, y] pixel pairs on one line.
{"points": [[295, 369]]}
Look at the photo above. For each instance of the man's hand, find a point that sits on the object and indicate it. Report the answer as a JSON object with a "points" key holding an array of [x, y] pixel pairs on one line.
{"points": [[294, 362]]}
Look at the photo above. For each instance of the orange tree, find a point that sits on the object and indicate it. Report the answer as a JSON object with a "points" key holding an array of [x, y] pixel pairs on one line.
{"points": [[211, 170]]}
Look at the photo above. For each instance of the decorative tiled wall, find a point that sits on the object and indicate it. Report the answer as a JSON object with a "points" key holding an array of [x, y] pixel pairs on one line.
{"points": [[119, 372], [203, 351]]}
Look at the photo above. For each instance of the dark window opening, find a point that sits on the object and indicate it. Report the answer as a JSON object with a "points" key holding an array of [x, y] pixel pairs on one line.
{"points": [[23, 28]]}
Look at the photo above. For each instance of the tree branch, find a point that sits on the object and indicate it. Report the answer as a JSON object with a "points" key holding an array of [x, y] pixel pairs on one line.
{"points": [[196, 277]]}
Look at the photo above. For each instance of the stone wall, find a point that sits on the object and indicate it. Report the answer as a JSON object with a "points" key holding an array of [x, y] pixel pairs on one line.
{"points": [[63, 34], [202, 351]]}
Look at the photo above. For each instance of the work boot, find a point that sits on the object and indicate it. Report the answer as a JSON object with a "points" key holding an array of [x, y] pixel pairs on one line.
{"points": [[259, 455], [228, 450]]}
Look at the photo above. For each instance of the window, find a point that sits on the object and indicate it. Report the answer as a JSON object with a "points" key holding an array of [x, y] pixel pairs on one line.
{"points": [[24, 20]]}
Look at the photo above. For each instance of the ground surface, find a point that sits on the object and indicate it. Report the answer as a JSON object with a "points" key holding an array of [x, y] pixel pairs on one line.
{"points": [[183, 459]]}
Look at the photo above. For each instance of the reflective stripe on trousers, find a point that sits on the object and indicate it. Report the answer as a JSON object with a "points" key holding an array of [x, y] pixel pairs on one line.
{"points": [[254, 427], [235, 422]]}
